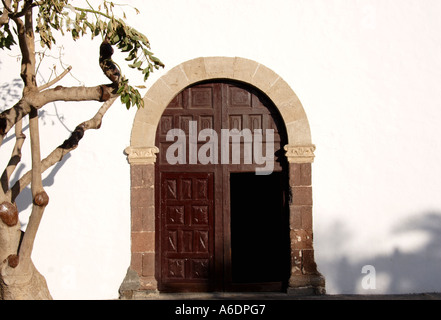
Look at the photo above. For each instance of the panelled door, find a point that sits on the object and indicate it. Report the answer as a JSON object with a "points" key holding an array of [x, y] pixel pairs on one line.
{"points": [[203, 229], [187, 231]]}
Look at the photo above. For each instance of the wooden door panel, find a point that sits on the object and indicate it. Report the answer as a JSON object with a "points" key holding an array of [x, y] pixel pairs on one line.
{"points": [[187, 221], [200, 98]]}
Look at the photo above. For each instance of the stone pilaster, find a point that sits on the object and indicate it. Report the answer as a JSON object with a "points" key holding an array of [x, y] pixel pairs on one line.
{"points": [[141, 155], [300, 154], [141, 273], [305, 278]]}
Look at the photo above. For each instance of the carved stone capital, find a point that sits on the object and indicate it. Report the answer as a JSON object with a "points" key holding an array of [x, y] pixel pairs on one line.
{"points": [[141, 155], [300, 154]]}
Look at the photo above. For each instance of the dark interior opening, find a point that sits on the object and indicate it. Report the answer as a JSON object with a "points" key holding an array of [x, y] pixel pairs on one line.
{"points": [[259, 228]]}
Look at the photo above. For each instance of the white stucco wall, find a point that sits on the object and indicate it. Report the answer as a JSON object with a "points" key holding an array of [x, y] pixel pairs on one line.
{"points": [[367, 73]]}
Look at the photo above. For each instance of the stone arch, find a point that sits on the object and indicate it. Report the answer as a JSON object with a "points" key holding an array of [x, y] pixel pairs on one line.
{"points": [[141, 153], [299, 149]]}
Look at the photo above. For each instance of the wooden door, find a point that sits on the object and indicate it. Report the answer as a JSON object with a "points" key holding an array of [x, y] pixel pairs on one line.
{"points": [[186, 206], [193, 209], [187, 234]]}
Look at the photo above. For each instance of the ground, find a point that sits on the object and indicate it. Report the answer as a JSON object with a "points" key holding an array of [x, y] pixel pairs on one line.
{"points": [[279, 296]]}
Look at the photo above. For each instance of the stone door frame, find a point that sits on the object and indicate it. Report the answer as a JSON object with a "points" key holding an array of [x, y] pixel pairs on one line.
{"points": [[305, 278]]}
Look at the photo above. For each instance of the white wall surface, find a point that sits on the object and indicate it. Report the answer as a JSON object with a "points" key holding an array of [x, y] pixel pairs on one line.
{"points": [[367, 73]]}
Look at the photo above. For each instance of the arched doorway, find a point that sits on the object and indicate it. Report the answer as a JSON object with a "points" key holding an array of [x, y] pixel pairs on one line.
{"points": [[223, 219], [143, 271]]}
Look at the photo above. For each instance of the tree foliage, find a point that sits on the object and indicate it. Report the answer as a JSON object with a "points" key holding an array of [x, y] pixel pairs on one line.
{"points": [[61, 16], [25, 23]]}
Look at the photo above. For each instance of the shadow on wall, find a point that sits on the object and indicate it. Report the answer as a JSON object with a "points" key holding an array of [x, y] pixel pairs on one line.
{"points": [[24, 199], [397, 273], [11, 92]]}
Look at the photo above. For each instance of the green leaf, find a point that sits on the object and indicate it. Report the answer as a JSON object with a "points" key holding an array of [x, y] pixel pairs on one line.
{"points": [[120, 90], [125, 98], [157, 61], [137, 64], [147, 53], [115, 39], [109, 27], [127, 48], [6, 38], [147, 74], [133, 98]]}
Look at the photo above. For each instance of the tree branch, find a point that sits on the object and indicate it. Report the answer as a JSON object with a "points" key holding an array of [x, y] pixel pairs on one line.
{"points": [[68, 145], [28, 5], [40, 198], [51, 83], [98, 93], [10, 117], [25, 35], [4, 19], [15, 157], [23, 107]]}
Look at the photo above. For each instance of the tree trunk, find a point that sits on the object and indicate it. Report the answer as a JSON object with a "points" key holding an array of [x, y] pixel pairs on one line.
{"points": [[23, 284], [18, 281]]}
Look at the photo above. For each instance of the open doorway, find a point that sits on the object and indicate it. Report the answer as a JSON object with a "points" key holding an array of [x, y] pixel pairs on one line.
{"points": [[260, 251]]}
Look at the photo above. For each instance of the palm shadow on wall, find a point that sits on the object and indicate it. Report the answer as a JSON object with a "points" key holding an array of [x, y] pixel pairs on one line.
{"points": [[400, 272]]}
